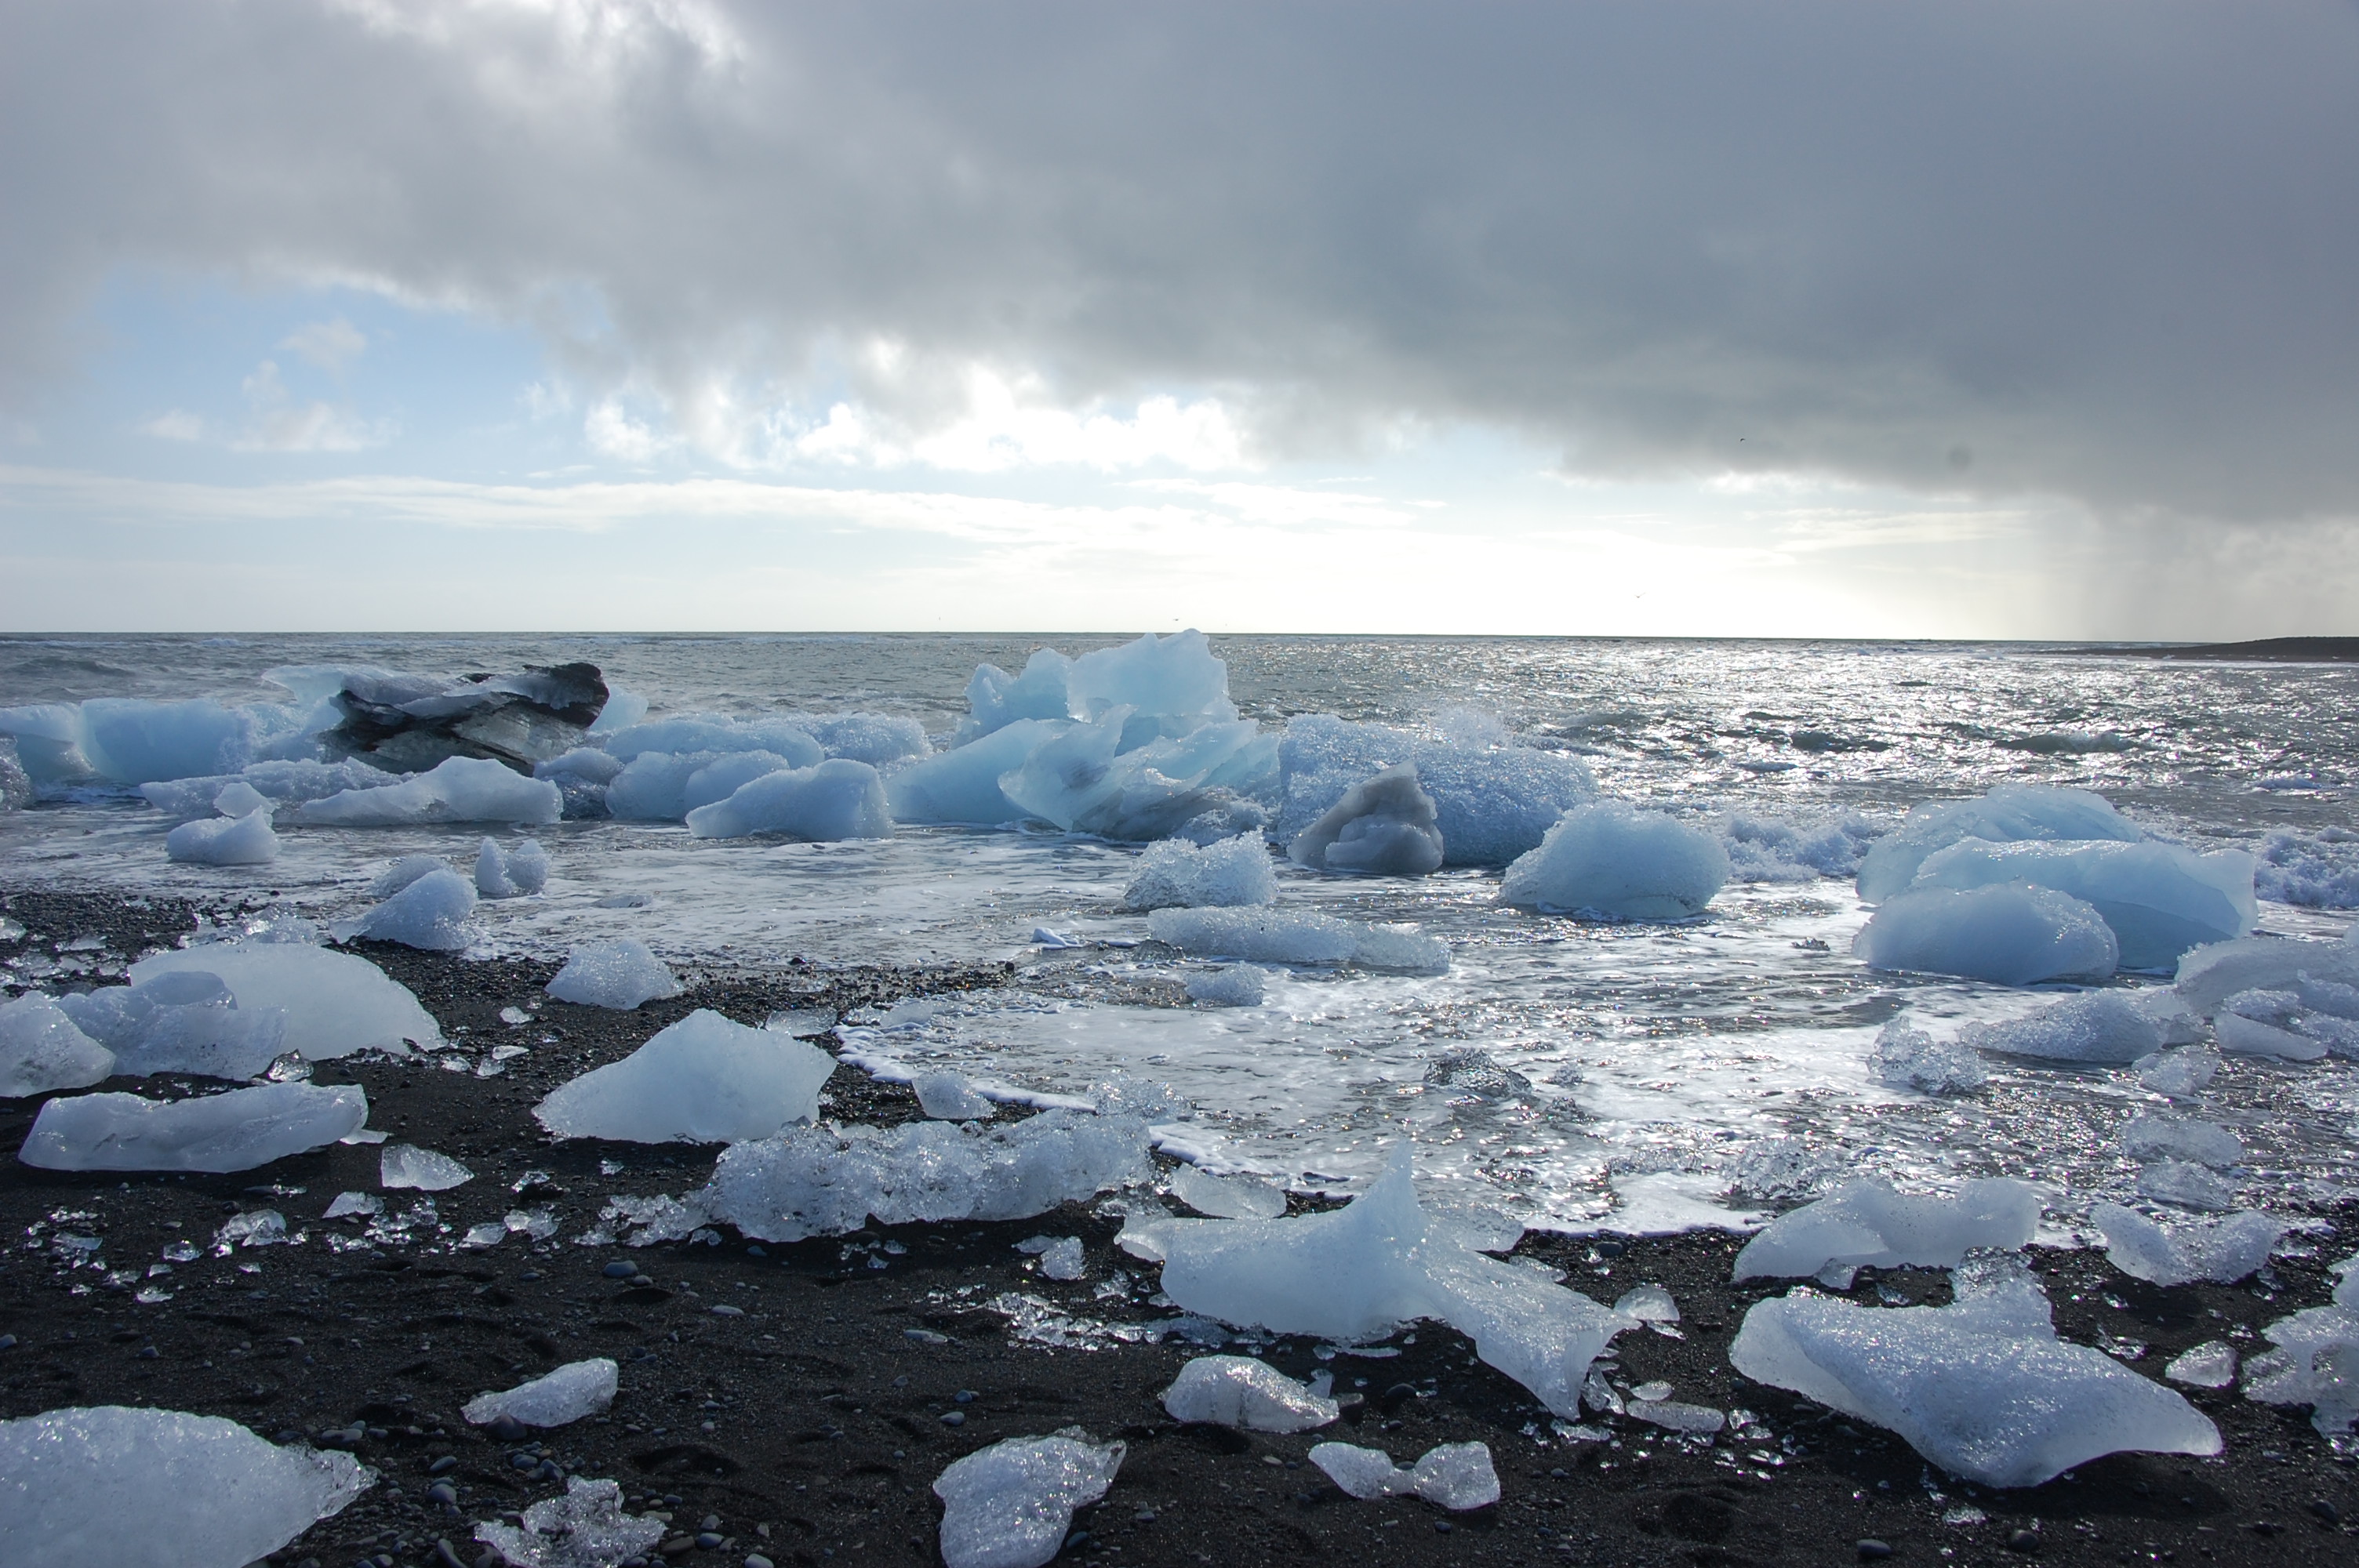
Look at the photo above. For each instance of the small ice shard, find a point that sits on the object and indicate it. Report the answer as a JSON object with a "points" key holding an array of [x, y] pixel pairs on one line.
{"points": [[1238, 1390], [1675, 1416], [1649, 1303], [406, 1165], [184, 1021], [1385, 827], [335, 1003], [2211, 1365], [1362, 1473], [510, 873], [1982, 1388], [2014, 934], [1009, 1506], [837, 800], [1865, 1224], [1619, 862], [1061, 1256], [1297, 936], [158, 1489], [2179, 1073], [948, 1096], [2186, 1186], [403, 873], [1234, 985], [1910, 1058], [1044, 937], [586, 1528], [618, 974], [232, 1131], [2315, 1362], [2222, 1250], [255, 1227], [1453, 1476], [576, 1389], [41, 1050], [348, 1205], [1174, 873], [2161, 1136], [430, 913], [2261, 1023], [704, 1079], [459, 789], [1226, 1197], [246, 840], [2095, 1026], [490, 1233]]}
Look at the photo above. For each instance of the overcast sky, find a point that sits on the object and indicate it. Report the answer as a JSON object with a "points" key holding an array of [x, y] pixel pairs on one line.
{"points": [[1793, 318]]}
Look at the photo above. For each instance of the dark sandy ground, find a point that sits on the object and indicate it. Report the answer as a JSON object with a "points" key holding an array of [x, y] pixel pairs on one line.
{"points": [[790, 1401]]}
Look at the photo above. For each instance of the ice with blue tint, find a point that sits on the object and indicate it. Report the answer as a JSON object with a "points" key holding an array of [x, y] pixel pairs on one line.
{"points": [[334, 1003], [653, 785], [1865, 1224], [1493, 799], [963, 784], [2014, 934], [624, 708], [702, 1080], [1228, 873], [246, 840], [184, 1021], [997, 699], [717, 733], [430, 912], [460, 789], [2094, 1026], [284, 783], [1385, 825], [235, 1132], [42, 1049], [2008, 814], [726, 775], [835, 801], [1169, 686], [1297, 936], [2159, 900], [2209, 976], [620, 973], [49, 737], [519, 873], [2220, 1251], [1615, 861], [1239, 1390], [1086, 782], [880, 740], [128, 740]]}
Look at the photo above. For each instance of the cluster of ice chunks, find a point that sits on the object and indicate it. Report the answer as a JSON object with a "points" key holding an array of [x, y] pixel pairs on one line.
{"points": [[2106, 1026], [159, 1489], [2277, 997], [132, 740], [1493, 799], [1385, 825], [1239, 1390], [1616, 861], [704, 1080], [620, 974], [2015, 935], [2158, 899], [2220, 1251], [1297, 936], [586, 1528], [2008, 814], [41, 1050], [1010, 1504], [1085, 781], [574, 1391], [1234, 985], [1227, 873], [184, 1021], [334, 1003], [996, 700], [2315, 1361], [880, 740], [1908, 1058], [233, 1131], [510, 873], [430, 912], [288, 782], [1982, 1388], [1453, 1476], [837, 800], [242, 840], [1865, 1224], [460, 789]]}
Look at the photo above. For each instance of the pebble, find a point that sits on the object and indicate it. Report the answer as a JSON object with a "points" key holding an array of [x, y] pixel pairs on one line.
{"points": [[619, 1270], [2023, 1541], [725, 1310], [965, 1397], [926, 1337], [706, 1541], [508, 1429], [442, 1492], [1392, 1399], [954, 1418], [1874, 1551], [2326, 1512], [755, 1560], [447, 1463]]}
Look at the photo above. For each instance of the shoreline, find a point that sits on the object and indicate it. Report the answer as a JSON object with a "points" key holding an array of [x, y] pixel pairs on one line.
{"points": [[782, 1412]]}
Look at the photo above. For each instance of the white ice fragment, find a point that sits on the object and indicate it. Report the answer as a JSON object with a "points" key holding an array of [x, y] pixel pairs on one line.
{"points": [[430, 913], [406, 1165], [403, 873], [2015, 935], [1865, 1224], [232, 1131], [2315, 1362], [1677, 1416], [2222, 1250], [1238, 1390], [620, 974], [1122, 777], [1649, 1303], [1982, 1388], [2209, 976], [1292, 937], [576, 1389], [948, 1096], [511, 873], [1233, 985], [1229, 872], [1619, 862], [2094, 1026], [1385, 826], [238, 798], [459, 789], [2211, 1365], [838, 799], [2255, 1023], [1061, 1256], [2160, 900], [1226, 1197], [704, 1079], [1362, 1473], [586, 1528], [1043, 937], [246, 840], [2178, 1073], [1009, 1506], [2187, 1184], [347, 1205], [41, 1050], [1454, 1476], [2009, 813], [1910, 1058], [159, 1489], [334, 1003], [2158, 1135]]}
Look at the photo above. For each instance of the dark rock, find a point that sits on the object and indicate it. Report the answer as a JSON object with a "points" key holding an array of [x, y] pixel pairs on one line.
{"points": [[1352, 1407], [508, 1429], [1874, 1551], [1392, 1399], [409, 723], [2324, 1511], [2026, 1541], [620, 1271]]}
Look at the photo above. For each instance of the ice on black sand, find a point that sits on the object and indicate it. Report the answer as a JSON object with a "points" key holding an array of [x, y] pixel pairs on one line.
{"points": [[184, 1021], [704, 1079], [430, 913], [233, 1131], [335, 1003], [1226, 1197], [576, 1389], [2314, 1359], [1454, 1476], [2220, 1251], [586, 1528], [1061, 1256], [404, 1166], [41, 1050], [1865, 1224], [1009, 1506], [1238, 1390], [618, 974]]}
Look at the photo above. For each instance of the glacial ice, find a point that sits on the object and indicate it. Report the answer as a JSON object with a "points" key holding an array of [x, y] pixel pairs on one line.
{"points": [[1865, 1224], [2009, 813], [2211, 1365], [15, 784], [1234, 985], [1385, 825], [238, 798], [1238, 1390], [1493, 799], [581, 765], [184, 1021], [2209, 976], [1228, 873], [1061, 1256], [620, 974], [510, 873], [879, 740], [715, 735], [586, 1528], [2185, 1183], [2314, 1361], [159, 1488], [1226, 1197], [962, 785], [1617, 862], [949, 1096], [623, 709], [1910, 1058], [2094, 1026], [653, 786], [1291, 936], [2221, 1250], [233, 1131], [402, 1167], [2162, 1136], [997, 699], [2265, 1023], [403, 873], [1176, 682], [2015, 936], [2159, 900], [335, 1003], [1453, 1476], [2178, 1073], [281, 783], [702, 1080], [460, 789], [245, 841], [835, 801], [134, 740], [1982, 1388], [1009, 1506], [42, 1049], [430, 913], [1083, 782], [725, 775], [576, 1389]]}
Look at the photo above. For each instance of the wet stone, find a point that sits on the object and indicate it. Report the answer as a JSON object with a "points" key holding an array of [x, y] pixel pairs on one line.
{"points": [[1874, 1551]]}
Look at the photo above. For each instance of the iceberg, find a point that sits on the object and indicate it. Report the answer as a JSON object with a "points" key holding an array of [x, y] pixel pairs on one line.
{"points": [[159, 1488], [1234, 985], [586, 1528], [2015, 936], [962, 785], [1238, 1390], [335, 1003], [2221, 1250], [1009, 1506], [2008, 814], [1173, 684], [620, 974], [245, 841], [997, 699], [1289, 937], [714, 735], [461, 789], [510, 873], [1494, 800], [1865, 1224], [701, 1080], [233, 1131], [1385, 826], [42, 1049], [1454, 1476], [281, 783], [1227, 873], [2095, 1026], [182, 1022], [835, 801], [430, 913], [2159, 899], [576, 1389], [1617, 862]]}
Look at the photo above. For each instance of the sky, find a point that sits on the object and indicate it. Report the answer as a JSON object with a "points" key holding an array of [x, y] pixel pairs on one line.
{"points": [[2010, 318]]}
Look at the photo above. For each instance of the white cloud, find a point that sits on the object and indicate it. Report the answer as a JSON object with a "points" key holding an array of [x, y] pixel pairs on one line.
{"points": [[331, 345], [611, 432], [275, 422], [179, 425]]}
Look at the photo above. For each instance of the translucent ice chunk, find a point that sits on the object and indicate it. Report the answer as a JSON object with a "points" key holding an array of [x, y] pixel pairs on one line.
{"points": [[159, 1488], [2159, 900], [718, 736], [997, 699], [1096, 777], [1238, 1390], [2315, 1362], [1289, 936], [2009, 813], [1619, 862], [2240, 1034], [41, 1050], [232, 1131], [280, 783], [586, 1528], [2187, 1184], [576, 1389], [1865, 1224], [2178, 1073], [1234, 985], [510, 873], [951, 1096], [430, 913], [703, 1079], [406, 1165], [1454, 1476], [1174, 873], [2095, 1026], [877, 739], [837, 800], [962, 785], [2161, 1136], [1009, 1506], [348, 1205], [1226, 1197], [335, 1003], [1385, 825], [619, 974], [459, 789], [2222, 1250], [724, 777], [1910, 1058], [403, 873], [1649, 1303], [2211, 1365], [1493, 799], [2209, 976], [1061, 1256], [1362, 1473], [244, 841], [2015, 935]]}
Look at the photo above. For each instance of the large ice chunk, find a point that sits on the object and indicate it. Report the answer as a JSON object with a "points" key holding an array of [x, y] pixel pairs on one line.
{"points": [[1454, 1476], [232, 1131], [1085, 781], [289, 783], [460, 789], [1172, 684], [1238, 1390], [962, 785], [335, 1003], [2315, 1363], [1385, 826], [576, 1389], [41, 1050], [620, 973], [2266, 1023], [586, 1528], [2015, 935], [704, 1080], [245, 841], [836, 800], [2220, 1251], [716, 734], [510, 873], [1297, 936], [880, 740], [1982, 1388], [2159, 899], [159, 1488], [1229, 872], [1621, 863], [430, 913], [1009, 1506], [2209, 976], [1865, 1224], [134, 741], [653, 786], [2094, 1026], [1493, 799], [997, 699], [2009, 813], [182, 1022]]}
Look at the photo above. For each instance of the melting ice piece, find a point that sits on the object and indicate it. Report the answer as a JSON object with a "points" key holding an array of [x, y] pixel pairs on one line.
{"points": [[1122, 777], [949, 1096], [718, 735], [1226, 1197], [1674, 1415], [2315, 1362], [962, 785], [2211, 1365], [997, 699], [243, 840], [406, 1165], [42, 1049], [182, 1022], [1496, 799], [430, 913], [2178, 1073], [576, 1389], [2209, 976], [1865, 1224], [2159, 899], [1238, 1390], [232, 1131], [335, 1003], [1061, 1256], [2095, 1026], [1982, 1388], [1385, 826], [1009, 1506], [2014, 936], [1175, 874], [704, 1079], [348, 1204], [2187, 1184], [586, 1528], [2161, 1136], [1910, 1058], [2222, 1250], [876, 738], [280, 783], [1454, 1476], [1619, 862], [2264, 1023], [458, 789], [1291, 936], [511, 873], [619, 974], [1649, 1303], [150, 1488], [837, 800], [2009, 813], [403, 873], [1233, 985]]}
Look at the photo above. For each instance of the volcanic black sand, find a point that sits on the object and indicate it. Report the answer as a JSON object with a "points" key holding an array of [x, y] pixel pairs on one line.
{"points": [[791, 1399]]}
